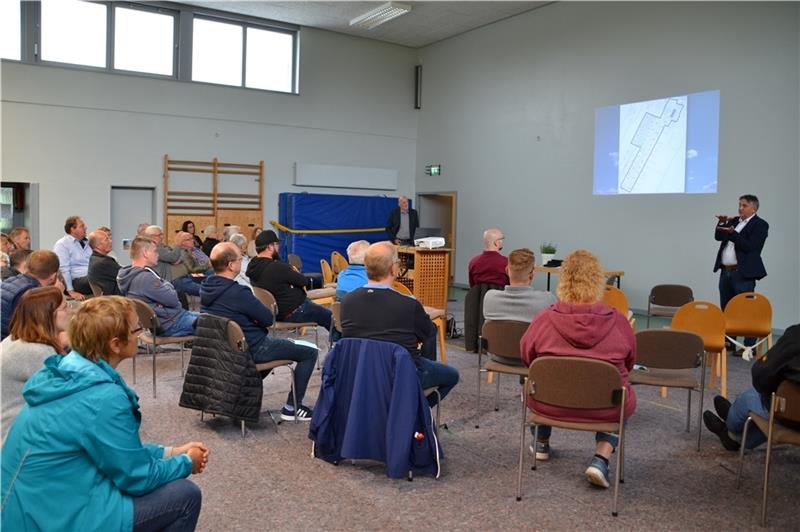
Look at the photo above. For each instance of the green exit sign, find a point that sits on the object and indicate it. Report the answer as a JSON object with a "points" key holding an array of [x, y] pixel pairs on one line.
{"points": [[433, 169]]}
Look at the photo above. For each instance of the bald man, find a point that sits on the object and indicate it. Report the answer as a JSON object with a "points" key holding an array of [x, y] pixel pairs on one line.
{"points": [[490, 266], [402, 223], [221, 295], [378, 312]]}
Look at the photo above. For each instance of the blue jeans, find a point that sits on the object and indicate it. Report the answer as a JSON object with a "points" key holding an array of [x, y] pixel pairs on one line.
{"points": [[173, 507], [310, 311], [182, 325], [279, 349], [546, 430], [748, 401], [436, 375], [187, 285]]}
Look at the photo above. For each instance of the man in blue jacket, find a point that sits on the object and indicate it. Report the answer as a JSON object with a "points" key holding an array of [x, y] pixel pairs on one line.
{"points": [[222, 296]]}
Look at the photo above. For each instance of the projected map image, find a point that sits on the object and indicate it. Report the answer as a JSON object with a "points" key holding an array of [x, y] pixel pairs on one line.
{"points": [[652, 146]]}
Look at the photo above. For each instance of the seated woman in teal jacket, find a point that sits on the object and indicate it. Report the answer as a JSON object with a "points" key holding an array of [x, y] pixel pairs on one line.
{"points": [[73, 459]]}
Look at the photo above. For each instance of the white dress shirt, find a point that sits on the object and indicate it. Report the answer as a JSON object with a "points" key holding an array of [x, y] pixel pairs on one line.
{"points": [[729, 251], [73, 259]]}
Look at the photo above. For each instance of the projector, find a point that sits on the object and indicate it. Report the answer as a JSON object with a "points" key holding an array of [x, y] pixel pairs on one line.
{"points": [[431, 242]]}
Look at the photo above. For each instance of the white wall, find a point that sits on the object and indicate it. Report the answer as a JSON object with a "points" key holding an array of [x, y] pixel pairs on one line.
{"points": [[78, 133], [509, 113]]}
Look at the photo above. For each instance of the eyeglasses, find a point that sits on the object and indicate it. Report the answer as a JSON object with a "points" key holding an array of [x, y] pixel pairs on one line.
{"points": [[137, 330]]}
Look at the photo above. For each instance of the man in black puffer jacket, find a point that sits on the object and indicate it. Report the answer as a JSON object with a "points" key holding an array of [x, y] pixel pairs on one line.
{"points": [[222, 296]]}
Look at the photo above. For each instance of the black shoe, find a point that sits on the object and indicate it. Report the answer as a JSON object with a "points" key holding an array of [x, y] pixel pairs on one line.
{"points": [[722, 406], [718, 427]]}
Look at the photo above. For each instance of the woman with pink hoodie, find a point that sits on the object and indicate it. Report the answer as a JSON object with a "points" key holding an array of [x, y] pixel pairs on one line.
{"points": [[580, 325]]}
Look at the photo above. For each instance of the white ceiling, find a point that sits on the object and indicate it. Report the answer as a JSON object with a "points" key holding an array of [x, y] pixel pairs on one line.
{"points": [[426, 23]]}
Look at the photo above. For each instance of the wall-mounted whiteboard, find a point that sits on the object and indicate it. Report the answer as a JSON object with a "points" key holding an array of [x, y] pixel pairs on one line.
{"points": [[327, 175]]}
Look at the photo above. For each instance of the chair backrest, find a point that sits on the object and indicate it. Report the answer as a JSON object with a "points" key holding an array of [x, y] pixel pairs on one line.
{"points": [[668, 349], [147, 316], [501, 337], [705, 319], [267, 299], [749, 314], [575, 382], [236, 337], [327, 272], [614, 297], [338, 262], [295, 261], [788, 395], [96, 290], [403, 289], [671, 295], [336, 309]]}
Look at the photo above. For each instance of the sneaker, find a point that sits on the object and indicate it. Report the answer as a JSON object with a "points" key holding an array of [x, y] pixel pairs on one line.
{"points": [[541, 449], [597, 472], [303, 413], [722, 406], [718, 427]]}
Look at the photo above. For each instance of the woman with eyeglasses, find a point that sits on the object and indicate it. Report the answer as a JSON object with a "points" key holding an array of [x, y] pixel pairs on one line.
{"points": [[188, 227], [37, 331], [73, 459]]}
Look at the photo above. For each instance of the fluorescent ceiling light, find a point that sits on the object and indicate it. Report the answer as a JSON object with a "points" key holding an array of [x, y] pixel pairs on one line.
{"points": [[379, 15]]}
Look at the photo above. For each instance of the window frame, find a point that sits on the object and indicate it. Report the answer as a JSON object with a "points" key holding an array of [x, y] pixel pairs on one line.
{"points": [[184, 15]]}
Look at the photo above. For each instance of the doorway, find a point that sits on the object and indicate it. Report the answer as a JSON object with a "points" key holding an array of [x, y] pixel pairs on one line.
{"points": [[437, 217], [130, 206]]}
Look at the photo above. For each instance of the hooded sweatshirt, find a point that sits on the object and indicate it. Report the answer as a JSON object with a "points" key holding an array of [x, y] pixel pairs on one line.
{"points": [[145, 284], [226, 298], [284, 282], [583, 330], [73, 459]]}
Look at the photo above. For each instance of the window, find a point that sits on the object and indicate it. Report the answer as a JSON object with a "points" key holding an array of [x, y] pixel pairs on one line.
{"points": [[217, 52], [144, 41], [269, 60], [10, 30], [74, 32]]}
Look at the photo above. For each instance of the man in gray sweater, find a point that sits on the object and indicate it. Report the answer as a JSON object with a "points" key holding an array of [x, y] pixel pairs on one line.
{"points": [[518, 301]]}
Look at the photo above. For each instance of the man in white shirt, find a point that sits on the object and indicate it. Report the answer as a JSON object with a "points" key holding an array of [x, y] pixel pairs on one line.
{"points": [[518, 301], [739, 256], [74, 252]]}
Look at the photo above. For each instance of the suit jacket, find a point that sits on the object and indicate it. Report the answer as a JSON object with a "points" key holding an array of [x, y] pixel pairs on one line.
{"points": [[748, 245], [393, 223], [103, 270]]}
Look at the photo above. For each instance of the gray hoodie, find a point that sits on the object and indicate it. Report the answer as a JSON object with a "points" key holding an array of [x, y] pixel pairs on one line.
{"points": [[145, 284]]}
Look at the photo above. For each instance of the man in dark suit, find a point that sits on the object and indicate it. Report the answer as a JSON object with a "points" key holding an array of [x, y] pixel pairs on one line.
{"points": [[402, 223], [103, 269], [739, 257]]}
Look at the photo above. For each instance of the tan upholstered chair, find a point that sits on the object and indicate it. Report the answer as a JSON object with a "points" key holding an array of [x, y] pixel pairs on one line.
{"points": [[296, 262], [268, 300], [784, 406], [614, 297], [669, 359], [665, 299], [338, 263], [96, 290], [581, 383], [151, 339], [328, 279], [500, 340]]}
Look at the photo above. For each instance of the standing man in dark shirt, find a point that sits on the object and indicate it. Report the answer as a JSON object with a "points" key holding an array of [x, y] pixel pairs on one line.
{"points": [[378, 312], [490, 266], [286, 284], [103, 269], [402, 223]]}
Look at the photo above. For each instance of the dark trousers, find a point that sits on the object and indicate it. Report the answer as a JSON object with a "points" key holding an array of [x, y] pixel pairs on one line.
{"points": [[81, 284], [280, 349], [173, 507]]}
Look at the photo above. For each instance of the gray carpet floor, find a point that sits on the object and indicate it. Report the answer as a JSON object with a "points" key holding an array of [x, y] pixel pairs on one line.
{"points": [[268, 479]]}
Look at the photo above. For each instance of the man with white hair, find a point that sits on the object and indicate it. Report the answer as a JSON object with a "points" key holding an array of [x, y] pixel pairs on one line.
{"points": [[212, 238], [490, 266], [355, 275], [402, 223], [229, 231], [240, 241]]}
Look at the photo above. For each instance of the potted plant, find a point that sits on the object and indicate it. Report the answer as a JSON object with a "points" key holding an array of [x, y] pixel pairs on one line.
{"points": [[548, 251]]}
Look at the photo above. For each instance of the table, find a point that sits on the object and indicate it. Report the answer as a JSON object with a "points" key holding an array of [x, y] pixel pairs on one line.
{"points": [[557, 270]]}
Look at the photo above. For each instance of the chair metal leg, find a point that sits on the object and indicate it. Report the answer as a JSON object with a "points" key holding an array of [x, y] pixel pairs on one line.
{"points": [[742, 446], [766, 466], [688, 409], [521, 452], [497, 394], [201, 415], [438, 407], [183, 346], [154, 370], [242, 421], [702, 398], [478, 394], [294, 395], [618, 479]]}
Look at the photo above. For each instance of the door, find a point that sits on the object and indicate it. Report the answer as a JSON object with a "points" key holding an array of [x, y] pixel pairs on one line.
{"points": [[130, 206], [437, 217]]}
